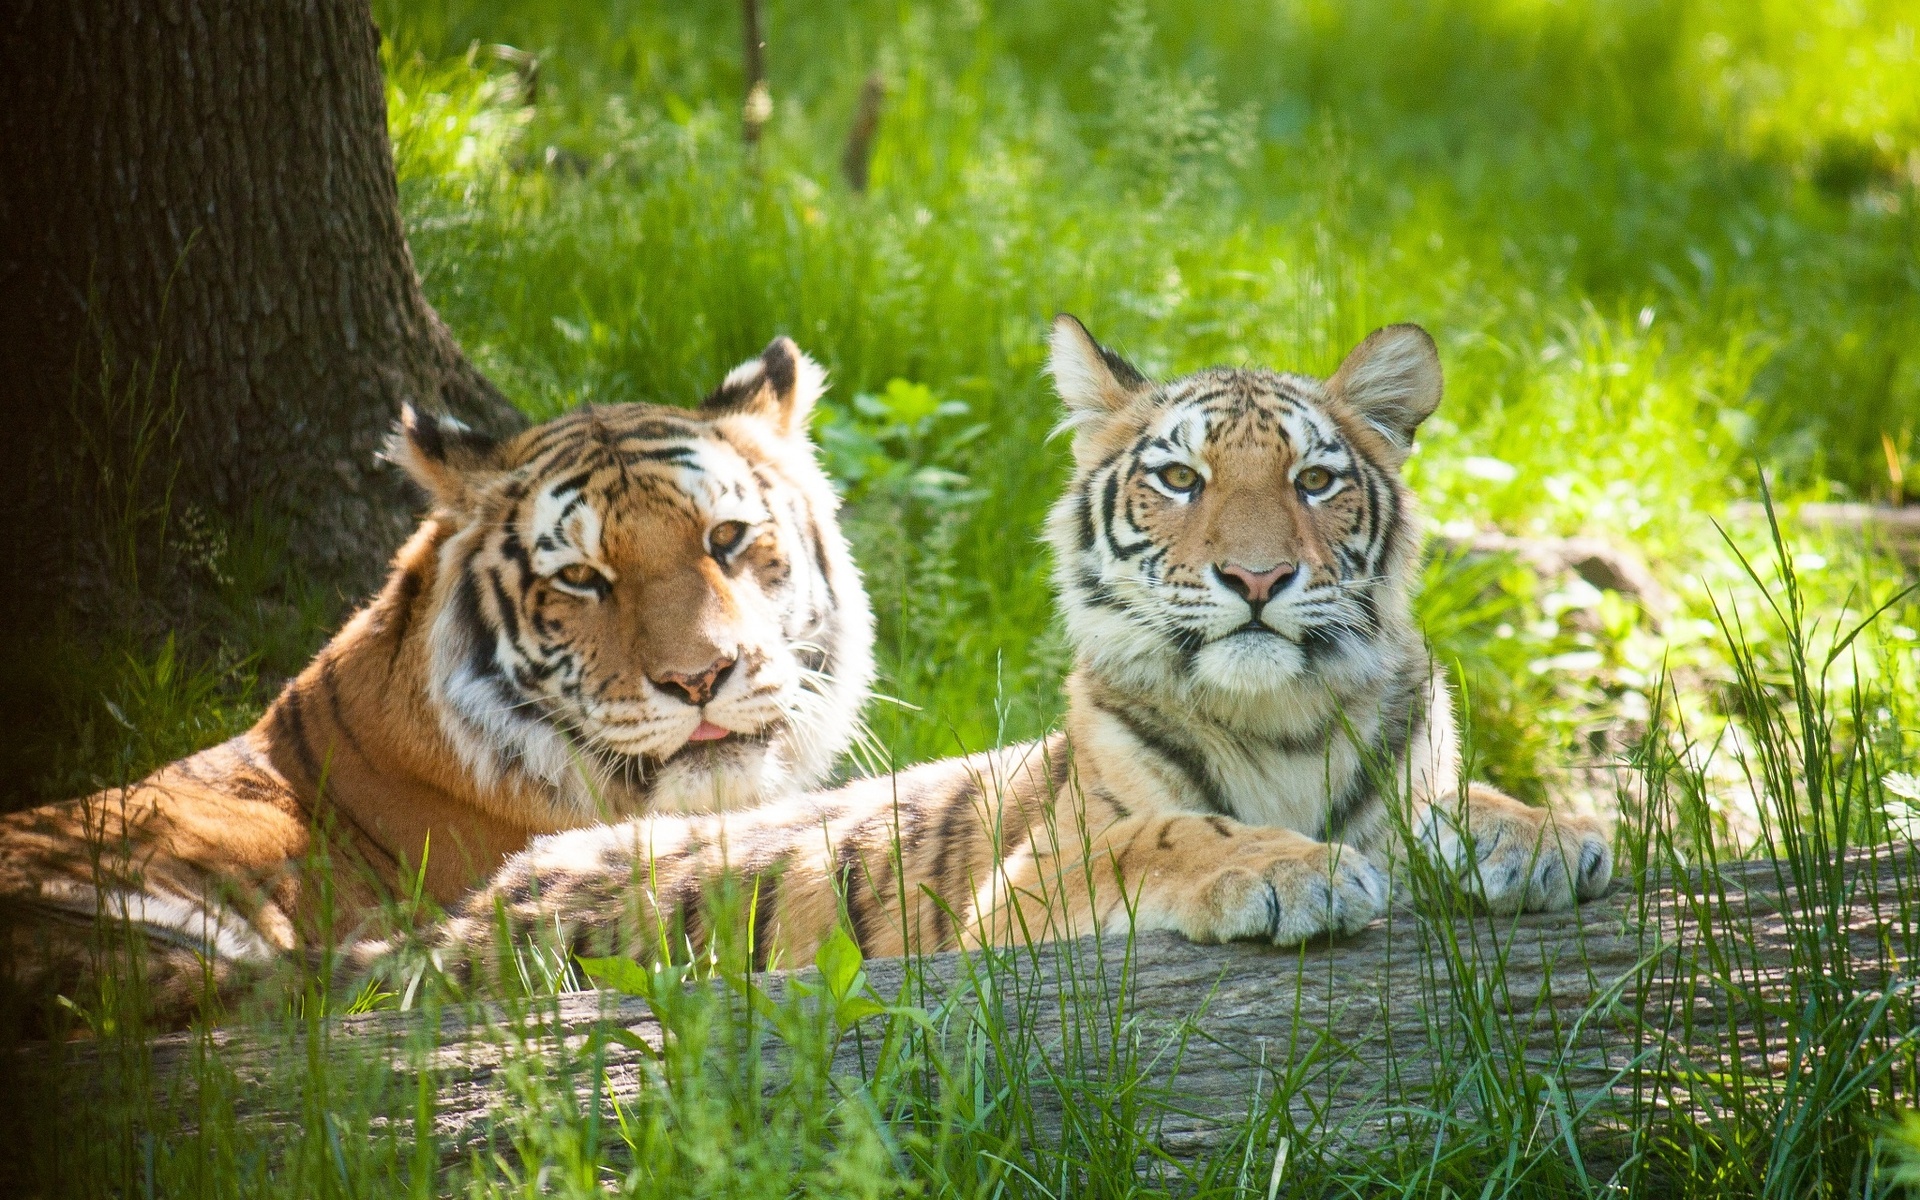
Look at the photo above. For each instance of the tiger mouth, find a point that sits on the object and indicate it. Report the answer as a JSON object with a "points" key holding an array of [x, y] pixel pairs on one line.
{"points": [[714, 748], [711, 750], [1256, 627]]}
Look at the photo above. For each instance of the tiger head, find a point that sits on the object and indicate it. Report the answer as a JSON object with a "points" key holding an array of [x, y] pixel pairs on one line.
{"points": [[641, 607], [1236, 531]]}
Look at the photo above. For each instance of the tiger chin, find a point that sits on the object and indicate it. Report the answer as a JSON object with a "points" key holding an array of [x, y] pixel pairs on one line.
{"points": [[1252, 715], [631, 608]]}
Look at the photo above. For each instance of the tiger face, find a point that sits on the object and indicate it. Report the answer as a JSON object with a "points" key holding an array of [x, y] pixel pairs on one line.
{"points": [[648, 607], [1238, 530]]}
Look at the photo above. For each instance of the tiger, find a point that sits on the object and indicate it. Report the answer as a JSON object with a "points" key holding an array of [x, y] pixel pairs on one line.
{"points": [[1253, 717], [630, 608]]}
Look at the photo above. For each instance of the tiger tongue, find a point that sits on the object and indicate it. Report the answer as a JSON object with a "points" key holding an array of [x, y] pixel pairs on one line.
{"points": [[708, 732]]}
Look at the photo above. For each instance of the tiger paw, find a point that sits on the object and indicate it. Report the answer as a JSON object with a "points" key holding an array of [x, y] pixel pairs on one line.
{"points": [[1515, 858], [1284, 893]]}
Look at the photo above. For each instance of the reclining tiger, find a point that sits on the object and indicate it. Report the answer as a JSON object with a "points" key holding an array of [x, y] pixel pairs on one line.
{"points": [[1235, 560], [630, 608]]}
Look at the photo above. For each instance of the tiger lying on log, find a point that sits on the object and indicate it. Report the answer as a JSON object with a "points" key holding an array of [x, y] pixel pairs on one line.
{"points": [[1251, 716], [628, 609]]}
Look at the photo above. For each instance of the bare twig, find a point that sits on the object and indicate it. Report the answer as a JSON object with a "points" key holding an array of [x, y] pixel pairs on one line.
{"points": [[858, 155], [759, 101]]}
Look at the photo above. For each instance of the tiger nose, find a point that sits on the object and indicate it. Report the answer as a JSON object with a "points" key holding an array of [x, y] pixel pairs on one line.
{"points": [[1255, 586], [695, 687]]}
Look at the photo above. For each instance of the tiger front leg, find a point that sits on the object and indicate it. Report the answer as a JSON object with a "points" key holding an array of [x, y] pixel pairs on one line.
{"points": [[1513, 857], [1216, 880]]}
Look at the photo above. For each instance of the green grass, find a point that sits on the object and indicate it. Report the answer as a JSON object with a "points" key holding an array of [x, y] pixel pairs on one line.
{"points": [[1663, 246]]}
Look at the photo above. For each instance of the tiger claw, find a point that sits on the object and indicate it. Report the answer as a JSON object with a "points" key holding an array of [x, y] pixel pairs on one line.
{"points": [[1527, 860]]}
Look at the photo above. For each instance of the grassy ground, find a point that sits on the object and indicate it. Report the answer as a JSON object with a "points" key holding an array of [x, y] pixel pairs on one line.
{"points": [[1663, 246]]}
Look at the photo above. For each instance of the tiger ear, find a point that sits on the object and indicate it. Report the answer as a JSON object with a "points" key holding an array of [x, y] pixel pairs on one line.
{"points": [[780, 387], [1392, 380], [443, 456], [1091, 379]]}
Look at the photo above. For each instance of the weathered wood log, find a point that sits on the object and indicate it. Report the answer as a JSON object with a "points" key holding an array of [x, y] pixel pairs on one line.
{"points": [[1356, 1034], [1601, 563], [1896, 530]]}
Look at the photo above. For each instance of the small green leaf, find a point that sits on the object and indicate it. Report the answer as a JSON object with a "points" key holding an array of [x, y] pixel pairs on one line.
{"points": [[618, 974], [910, 403], [857, 1008], [839, 963], [919, 1016]]}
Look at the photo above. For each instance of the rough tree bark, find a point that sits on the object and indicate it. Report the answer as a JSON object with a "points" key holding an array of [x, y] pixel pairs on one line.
{"points": [[200, 198], [1360, 1025]]}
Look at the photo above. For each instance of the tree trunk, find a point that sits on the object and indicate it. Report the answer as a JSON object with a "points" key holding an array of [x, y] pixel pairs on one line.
{"points": [[212, 311], [1403, 1014]]}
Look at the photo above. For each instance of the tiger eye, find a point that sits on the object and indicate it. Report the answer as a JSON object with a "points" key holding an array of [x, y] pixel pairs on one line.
{"points": [[1314, 479], [580, 575], [1179, 476], [726, 535]]}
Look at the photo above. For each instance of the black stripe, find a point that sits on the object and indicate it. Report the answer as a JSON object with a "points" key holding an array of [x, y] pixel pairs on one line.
{"points": [[297, 729], [509, 616], [1097, 592], [332, 687], [1392, 534], [1188, 643], [1369, 610], [1131, 549], [1372, 487], [852, 871], [1308, 743], [1317, 644], [679, 456], [406, 590], [689, 911], [1059, 767], [1347, 805], [1109, 501], [1083, 521], [1385, 754], [958, 805], [663, 430], [1204, 398], [515, 552], [466, 603], [1108, 798], [1184, 758]]}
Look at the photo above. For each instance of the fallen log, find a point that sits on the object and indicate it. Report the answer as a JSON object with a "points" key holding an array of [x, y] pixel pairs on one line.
{"points": [[1355, 1038], [1885, 527], [1599, 562]]}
